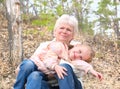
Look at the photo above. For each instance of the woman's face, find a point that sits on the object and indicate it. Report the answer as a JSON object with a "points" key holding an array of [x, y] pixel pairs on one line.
{"points": [[64, 33]]}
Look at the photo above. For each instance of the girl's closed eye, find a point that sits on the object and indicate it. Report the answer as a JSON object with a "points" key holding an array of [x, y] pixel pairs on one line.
{"points": [[80, 54], [80, 51], [81, 58]]}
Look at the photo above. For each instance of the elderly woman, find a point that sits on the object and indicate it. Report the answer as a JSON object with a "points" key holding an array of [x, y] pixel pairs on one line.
{"points": [[33, 74]]}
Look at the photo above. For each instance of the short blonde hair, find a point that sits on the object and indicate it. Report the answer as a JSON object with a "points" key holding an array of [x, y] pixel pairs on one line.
{"points": [[69, 19]]}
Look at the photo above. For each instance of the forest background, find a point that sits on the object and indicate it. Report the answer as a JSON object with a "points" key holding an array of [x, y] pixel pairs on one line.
{"points": [[25, 24]]}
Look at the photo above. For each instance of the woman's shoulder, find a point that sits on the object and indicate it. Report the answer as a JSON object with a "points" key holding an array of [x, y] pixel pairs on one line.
{"points": [[44, 43], [56, 45]]}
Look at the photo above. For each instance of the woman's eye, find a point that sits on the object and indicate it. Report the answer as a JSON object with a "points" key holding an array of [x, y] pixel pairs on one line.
{"points": [[68, 30], [61, 27]]}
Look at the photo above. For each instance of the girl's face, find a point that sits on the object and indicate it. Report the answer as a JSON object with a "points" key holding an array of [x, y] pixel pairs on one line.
{"points": [[79, 53], [64, 33]]}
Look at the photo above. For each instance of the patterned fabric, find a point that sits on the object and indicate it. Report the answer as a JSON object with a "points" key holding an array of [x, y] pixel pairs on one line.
{"points": [[45, 57], [80, 68]]}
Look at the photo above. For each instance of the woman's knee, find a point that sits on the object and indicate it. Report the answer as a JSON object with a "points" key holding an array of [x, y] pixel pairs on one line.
{"points": [[67, 66], [27, 65], [36, 75]]}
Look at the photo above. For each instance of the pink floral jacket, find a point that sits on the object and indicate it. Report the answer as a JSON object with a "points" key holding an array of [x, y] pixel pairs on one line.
{"points": [[48, 55], [46, 59]]}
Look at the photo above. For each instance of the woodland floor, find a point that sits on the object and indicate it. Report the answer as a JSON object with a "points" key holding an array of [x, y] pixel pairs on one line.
{"points": [[106, 61]]}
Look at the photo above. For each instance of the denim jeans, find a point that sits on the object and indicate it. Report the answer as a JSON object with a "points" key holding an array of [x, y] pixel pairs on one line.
{"points": [[70, 81], [30, 78]]}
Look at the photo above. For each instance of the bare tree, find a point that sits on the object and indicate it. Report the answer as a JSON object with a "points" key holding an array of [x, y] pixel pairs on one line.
{"points": [[14, 29]]}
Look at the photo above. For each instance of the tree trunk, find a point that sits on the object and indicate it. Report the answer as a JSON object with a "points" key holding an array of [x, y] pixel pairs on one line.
{"points": [[116, 22], [14, 30]]}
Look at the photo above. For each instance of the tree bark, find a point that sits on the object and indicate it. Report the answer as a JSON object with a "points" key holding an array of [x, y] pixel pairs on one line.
{"points": [[14, 30]]}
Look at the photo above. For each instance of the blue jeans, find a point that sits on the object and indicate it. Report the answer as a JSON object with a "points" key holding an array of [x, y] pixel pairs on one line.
{"points": [[70, 81], [30, 78]]}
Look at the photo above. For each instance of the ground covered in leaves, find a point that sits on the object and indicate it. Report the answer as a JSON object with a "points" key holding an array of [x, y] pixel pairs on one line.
{"points": [[106, 61]]}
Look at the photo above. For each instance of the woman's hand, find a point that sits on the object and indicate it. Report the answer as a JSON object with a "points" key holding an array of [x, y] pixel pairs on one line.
{"points": [[61, 71]]}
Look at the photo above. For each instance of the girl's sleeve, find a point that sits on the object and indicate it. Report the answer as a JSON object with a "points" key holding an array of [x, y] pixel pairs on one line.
{"points": [[82, 65]]}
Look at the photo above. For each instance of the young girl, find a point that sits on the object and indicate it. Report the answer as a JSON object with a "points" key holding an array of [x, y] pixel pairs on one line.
{"points": [[78, 57]]}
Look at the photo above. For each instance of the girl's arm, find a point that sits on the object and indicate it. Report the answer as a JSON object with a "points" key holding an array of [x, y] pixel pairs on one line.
{"points": [[87, 68], [96, 74]]}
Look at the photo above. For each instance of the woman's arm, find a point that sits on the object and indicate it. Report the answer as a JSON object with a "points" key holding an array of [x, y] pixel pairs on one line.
{"points": [[57, 51], [36, 56]]}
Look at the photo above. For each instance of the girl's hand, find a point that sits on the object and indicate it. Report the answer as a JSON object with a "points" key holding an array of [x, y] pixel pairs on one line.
{"points": [[97, 74], [61, 71]]}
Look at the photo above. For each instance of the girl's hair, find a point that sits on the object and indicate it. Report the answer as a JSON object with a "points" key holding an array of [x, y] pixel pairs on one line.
{"points": [[91, 52], [68, 19]]}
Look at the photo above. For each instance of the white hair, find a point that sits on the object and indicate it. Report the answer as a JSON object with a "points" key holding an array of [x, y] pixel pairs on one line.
{"points": [[68, 19]]}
